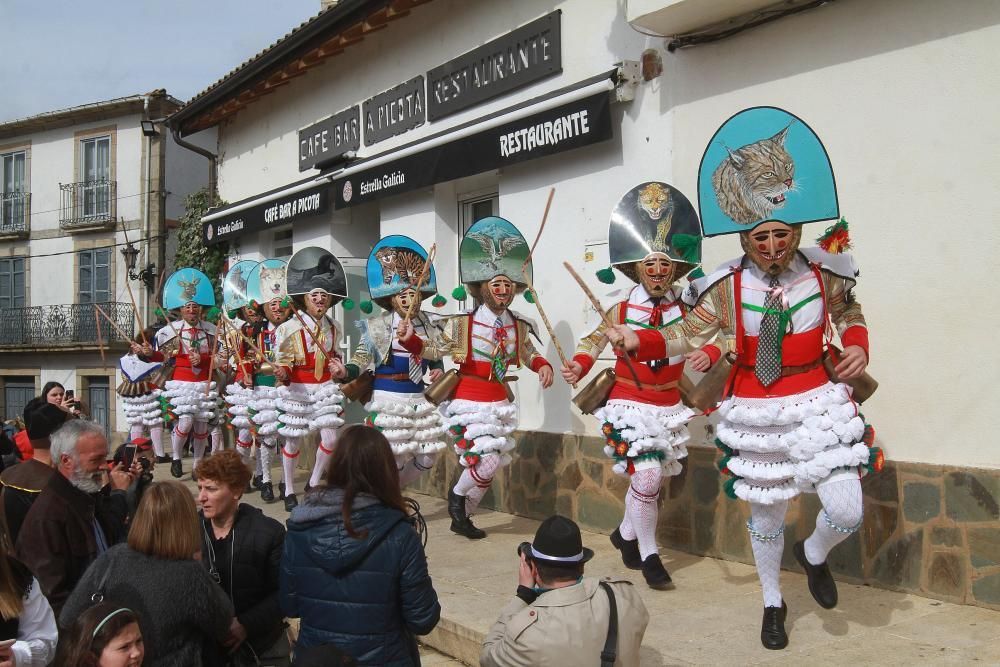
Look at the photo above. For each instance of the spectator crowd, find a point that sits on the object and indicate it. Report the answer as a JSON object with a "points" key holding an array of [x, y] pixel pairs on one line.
{"points": [[101, 566]]}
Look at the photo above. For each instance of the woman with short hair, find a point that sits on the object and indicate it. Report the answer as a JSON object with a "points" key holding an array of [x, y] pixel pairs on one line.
{"points": [[354, 570], [241, 549], [158, 574]]}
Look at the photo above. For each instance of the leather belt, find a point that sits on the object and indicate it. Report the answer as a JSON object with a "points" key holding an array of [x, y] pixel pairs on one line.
{"points": [[507, 378], [628, 382], [793, 370], [397, 377]]}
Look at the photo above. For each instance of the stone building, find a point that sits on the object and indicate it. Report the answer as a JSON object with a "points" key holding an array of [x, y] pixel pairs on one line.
{"points": [[419, 117], [88, 195]]}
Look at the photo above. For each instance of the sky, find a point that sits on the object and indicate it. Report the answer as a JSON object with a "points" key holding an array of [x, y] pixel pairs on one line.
{"points": [[63, 53]]}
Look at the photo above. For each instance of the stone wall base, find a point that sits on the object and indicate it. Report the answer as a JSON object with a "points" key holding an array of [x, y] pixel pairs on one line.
{"points": [[928, 529]]}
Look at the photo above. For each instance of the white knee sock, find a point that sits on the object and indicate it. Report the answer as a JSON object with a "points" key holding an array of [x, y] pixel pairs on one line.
{"points": [[841, 515], [135, 431], [218, 444], [324, 450], [156, 435], [182, 429], [265, 455], [482, 475], [767, 538], [244, 441], [641, 510], [289, 455]]}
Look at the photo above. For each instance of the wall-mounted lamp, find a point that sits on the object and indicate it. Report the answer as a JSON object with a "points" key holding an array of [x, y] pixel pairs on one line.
{"points": [[149, 128], [147, 275]]}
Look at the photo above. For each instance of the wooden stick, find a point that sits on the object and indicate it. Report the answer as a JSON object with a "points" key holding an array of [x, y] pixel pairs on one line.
{"points": [[424, 276], [312, 336], [604, 316], [114, 325], [128, 286], [246, 339], [226, 323], [100, 342], [213, 352]]}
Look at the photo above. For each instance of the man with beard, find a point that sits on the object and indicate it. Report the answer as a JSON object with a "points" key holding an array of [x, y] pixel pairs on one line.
{"points": [[788, 426], [484, 344], [642, 418], [78, 515]]}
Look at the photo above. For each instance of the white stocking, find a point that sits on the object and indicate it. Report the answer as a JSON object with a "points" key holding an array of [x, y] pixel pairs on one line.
{"points": [[289, 455], [482, 476], [767, 538], [156, 435], [200, 442], [244, 441], [265, 455], [135, 431], [640, 509], [841, 515], [324, 450], [217, 442], [182, 429]]}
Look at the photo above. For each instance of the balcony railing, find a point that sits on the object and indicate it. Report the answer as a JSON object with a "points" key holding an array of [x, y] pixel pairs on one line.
{"points": [[15, 211], [63, 325], [87, 204]]}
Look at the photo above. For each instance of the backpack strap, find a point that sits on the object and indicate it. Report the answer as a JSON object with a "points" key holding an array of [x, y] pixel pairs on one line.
{"points": [[610, 652]]}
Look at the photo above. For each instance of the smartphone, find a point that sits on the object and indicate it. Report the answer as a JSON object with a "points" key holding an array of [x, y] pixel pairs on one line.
{"points": [[68, 394], [129, 457]]}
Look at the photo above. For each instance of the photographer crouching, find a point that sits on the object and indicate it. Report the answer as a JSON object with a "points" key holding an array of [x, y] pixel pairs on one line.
{"points": [[560, 617]]}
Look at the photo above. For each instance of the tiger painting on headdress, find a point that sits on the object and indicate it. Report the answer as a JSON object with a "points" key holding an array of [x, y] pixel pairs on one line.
{"points": [[401, 262]]}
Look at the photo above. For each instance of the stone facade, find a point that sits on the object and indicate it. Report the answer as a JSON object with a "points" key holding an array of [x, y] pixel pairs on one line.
{"points": [[930, 530]]}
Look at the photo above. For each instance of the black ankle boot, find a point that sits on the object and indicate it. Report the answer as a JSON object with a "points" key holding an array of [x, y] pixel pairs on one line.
{"points": [[291, 502], [257, 481], [281, 490], [655, 574], [460, 521], [821, 583], [176, 469], [629, 550], [266, 492], [772, 628]]}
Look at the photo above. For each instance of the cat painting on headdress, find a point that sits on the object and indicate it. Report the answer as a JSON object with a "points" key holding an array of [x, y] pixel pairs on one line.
{"points": [[752, 180]]}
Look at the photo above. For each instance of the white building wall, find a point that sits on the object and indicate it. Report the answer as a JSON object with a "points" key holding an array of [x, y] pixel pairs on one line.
{"points": [[903, 112], [186, 171]]}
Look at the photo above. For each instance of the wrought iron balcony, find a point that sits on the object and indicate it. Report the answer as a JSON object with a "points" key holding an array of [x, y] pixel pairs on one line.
{"points": [[15, 212], [69, 325], [87, 204]]}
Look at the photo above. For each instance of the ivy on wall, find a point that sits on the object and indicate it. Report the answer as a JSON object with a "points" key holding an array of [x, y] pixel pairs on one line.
{"points": [[191, 251]]}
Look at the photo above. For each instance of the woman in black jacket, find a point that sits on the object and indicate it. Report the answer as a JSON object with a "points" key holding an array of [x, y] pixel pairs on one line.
{"points": [[354, 569], [241, 548]]}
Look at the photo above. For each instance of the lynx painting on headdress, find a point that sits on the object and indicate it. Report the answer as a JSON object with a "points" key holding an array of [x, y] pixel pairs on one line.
{"points": [[752, 180], [406, 264]]}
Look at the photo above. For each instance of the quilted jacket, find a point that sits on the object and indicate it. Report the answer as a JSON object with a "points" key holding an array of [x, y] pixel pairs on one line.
{"points": [[369, 596]]}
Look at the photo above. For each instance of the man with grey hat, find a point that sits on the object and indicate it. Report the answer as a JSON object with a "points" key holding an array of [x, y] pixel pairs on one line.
{"points": [[558, 616]]}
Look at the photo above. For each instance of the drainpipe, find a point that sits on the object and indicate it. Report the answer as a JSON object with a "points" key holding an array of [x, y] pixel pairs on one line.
{"points": [[213, 161]]}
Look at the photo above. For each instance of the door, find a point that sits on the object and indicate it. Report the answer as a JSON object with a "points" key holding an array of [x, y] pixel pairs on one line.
{"points": [[98, 399], [95, 287], [14, 320], [12, 184], [17, 392], [95, 166]]}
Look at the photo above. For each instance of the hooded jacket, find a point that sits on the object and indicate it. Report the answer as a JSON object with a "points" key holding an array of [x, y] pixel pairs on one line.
{"points": [[369, 595]]}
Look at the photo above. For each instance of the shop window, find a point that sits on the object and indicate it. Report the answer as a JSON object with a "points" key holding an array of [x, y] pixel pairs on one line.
{"points": [[281, 247], [476, 208]]}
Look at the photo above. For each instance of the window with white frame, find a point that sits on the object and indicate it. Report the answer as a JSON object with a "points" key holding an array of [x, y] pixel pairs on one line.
{"points": [[95, 168], [476, 207], [281, 245]]}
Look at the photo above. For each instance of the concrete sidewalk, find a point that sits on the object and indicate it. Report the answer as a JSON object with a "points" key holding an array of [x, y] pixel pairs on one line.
{"points": [[712, 617]]}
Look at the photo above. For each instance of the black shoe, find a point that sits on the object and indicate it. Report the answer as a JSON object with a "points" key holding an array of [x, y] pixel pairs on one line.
{"points": [[772, 628], [257, 481], [281, 490], [460, 521], [821, 583], [175, 468], [163, 459], [291, 502], [266, 492], [629, 550], [309, 487], [655, 574]]}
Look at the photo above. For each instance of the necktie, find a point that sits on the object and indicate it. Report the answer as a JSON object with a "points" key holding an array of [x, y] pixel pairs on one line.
{"points": [[768, 365], [499, 362], [318, 346], [416, 369], [655, 316]]}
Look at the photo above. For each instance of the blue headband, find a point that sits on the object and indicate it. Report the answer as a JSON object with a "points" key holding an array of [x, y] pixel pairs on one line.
{"points": [[108, 618]]}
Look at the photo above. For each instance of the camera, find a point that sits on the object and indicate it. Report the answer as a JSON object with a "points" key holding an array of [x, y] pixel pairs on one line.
{"points": [[524, 549]]}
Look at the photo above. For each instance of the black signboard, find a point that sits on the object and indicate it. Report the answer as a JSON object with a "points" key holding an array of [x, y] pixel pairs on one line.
{"points": [[520, 57], [330, 138], [283, 210], [571, 125], [395, 111]]}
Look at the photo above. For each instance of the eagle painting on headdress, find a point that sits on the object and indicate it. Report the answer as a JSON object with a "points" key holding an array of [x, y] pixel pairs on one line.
{"points": [[496, 248]]}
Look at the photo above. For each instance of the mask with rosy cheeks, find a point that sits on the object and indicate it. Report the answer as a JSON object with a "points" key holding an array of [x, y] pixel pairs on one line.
{"points": [[275, 312], [191, 312], [402, 301], [251, 315], [498, 293], [317, 303], [772, 245], [656, 274]]}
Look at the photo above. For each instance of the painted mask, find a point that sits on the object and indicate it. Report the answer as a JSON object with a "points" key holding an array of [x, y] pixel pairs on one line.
{"points": [[318, 302], [656, 274], [402, 301], [275, 312], [191, 312], [772, 245], [499, 293]]}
